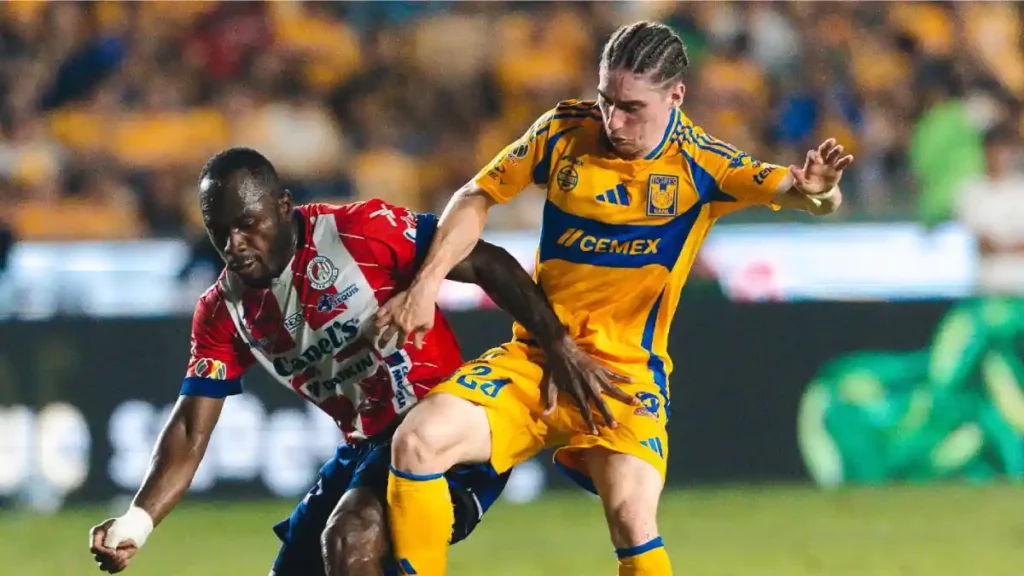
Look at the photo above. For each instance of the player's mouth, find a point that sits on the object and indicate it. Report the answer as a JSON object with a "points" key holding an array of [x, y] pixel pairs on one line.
{"points": [[245, 267], [619, 141]]}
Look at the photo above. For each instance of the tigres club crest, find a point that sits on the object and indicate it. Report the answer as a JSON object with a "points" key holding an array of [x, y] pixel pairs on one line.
{"points": [[662, 195], [321, 273]]}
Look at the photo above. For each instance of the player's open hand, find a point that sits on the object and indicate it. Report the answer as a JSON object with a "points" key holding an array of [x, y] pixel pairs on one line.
{"points": [[110, 557], [571, 370], [408, 313], [822, 169]]}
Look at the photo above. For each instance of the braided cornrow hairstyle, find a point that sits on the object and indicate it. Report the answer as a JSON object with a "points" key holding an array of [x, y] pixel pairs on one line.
{"points": [[649, 49]]}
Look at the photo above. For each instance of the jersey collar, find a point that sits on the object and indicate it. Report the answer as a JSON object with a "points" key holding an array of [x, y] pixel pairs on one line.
{"points": [[668, 137]]}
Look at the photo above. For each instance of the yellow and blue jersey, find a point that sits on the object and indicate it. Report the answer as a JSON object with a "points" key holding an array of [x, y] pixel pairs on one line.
{"points": [[619, 236]]}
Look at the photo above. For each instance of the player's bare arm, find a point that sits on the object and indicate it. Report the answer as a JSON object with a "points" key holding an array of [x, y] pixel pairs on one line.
{"points": [[568, 368], [179, 451], [460, 226], [814, 187]]}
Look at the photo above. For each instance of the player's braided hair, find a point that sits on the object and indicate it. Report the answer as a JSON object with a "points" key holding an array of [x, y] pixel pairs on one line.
{"points": [[647, 48], [225, 164]]}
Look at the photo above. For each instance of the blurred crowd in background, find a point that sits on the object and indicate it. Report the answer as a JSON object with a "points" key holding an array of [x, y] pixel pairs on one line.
{"points": [[110, 108]]}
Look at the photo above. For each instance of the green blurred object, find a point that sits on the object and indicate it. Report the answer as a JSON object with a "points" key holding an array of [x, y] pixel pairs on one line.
{"points": [[767, 531], [953, 410], [945, 150]]}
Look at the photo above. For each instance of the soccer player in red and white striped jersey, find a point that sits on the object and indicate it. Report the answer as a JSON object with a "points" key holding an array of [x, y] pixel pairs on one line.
{"points": [[298, 297]]}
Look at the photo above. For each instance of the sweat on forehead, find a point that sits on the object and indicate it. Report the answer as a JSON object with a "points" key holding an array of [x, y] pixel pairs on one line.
{"points": [[240, 187]]}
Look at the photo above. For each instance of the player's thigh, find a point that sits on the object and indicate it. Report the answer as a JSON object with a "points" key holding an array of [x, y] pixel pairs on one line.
{"points": [[440, 432], [487, 412], [630, 489], [625, 466], [300, 534], [356, 532]]}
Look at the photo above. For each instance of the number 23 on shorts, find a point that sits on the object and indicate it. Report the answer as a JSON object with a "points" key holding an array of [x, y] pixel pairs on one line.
{"points": [[489, 388]]}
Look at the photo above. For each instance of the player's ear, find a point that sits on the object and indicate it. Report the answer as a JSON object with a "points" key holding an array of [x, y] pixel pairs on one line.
{"points": [[285, 203], [676, 94]]}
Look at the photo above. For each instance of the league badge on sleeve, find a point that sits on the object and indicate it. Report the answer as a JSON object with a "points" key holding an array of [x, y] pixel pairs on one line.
{"points": [[321, 273], [662, 195], [212, 369], [518, 153]]}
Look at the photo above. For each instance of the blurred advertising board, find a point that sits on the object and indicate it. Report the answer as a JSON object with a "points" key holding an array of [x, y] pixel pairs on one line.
{"points": [[784, 262], [831, 392]]}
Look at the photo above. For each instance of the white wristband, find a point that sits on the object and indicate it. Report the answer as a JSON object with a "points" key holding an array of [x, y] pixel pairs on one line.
{"points": [[135, 525], [823, 195]]}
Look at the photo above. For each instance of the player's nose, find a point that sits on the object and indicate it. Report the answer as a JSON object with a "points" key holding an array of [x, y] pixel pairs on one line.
{"points": [[615, 119], [235, 242]]}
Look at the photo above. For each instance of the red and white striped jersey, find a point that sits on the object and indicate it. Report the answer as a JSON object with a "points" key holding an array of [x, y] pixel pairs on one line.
{"points": [[313, 328]]}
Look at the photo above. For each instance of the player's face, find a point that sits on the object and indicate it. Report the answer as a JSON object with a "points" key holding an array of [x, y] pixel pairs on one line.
{"points": [[636, 111], [252, 231]]}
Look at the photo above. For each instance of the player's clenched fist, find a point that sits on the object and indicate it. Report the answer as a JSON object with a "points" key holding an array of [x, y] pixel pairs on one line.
{"points": [[114, 542]]}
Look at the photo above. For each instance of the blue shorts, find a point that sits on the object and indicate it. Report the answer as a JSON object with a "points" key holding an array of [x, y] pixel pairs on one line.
{"points": [[365, 465]]}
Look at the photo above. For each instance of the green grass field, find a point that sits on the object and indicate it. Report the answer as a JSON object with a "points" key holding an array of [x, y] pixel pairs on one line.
{"points": [[783, 531]]}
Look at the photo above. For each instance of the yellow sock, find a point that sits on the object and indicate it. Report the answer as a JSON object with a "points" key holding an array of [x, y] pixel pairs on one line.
{"points": [[420, 510], [648, 559]]}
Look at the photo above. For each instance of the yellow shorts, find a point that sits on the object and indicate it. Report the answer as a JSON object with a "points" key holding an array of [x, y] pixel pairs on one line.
{"points": [[506, 382]]}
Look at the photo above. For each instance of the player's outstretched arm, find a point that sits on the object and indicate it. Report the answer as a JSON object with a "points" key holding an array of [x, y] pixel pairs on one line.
{"points": [[814, 187], [569, 368], [178, 452], [412, 310]]}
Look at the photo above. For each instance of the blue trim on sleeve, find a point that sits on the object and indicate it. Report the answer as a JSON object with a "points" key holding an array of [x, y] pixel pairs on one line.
{"points": [[210, 388], [426, 225]]}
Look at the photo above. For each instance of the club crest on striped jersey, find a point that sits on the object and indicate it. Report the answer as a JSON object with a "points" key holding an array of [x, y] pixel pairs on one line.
{"points": [[321, 272], [662, 195]]}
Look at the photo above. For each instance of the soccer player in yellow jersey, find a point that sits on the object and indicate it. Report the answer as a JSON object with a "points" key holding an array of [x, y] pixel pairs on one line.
{"points": [[633, 187]]}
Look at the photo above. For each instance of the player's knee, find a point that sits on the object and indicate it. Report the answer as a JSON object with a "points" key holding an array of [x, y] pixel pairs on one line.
{"points": [[441, 432], [415, 450], [354, 541]]}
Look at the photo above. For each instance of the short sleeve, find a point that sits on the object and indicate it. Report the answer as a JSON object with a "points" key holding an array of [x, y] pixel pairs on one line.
{"points": [[401, 237], [740, 180], [218, 358], [513, 169]]}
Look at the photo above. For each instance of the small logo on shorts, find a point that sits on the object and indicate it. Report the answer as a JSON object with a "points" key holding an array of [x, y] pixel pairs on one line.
{"points": [[651, 405], [655, 445]]}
